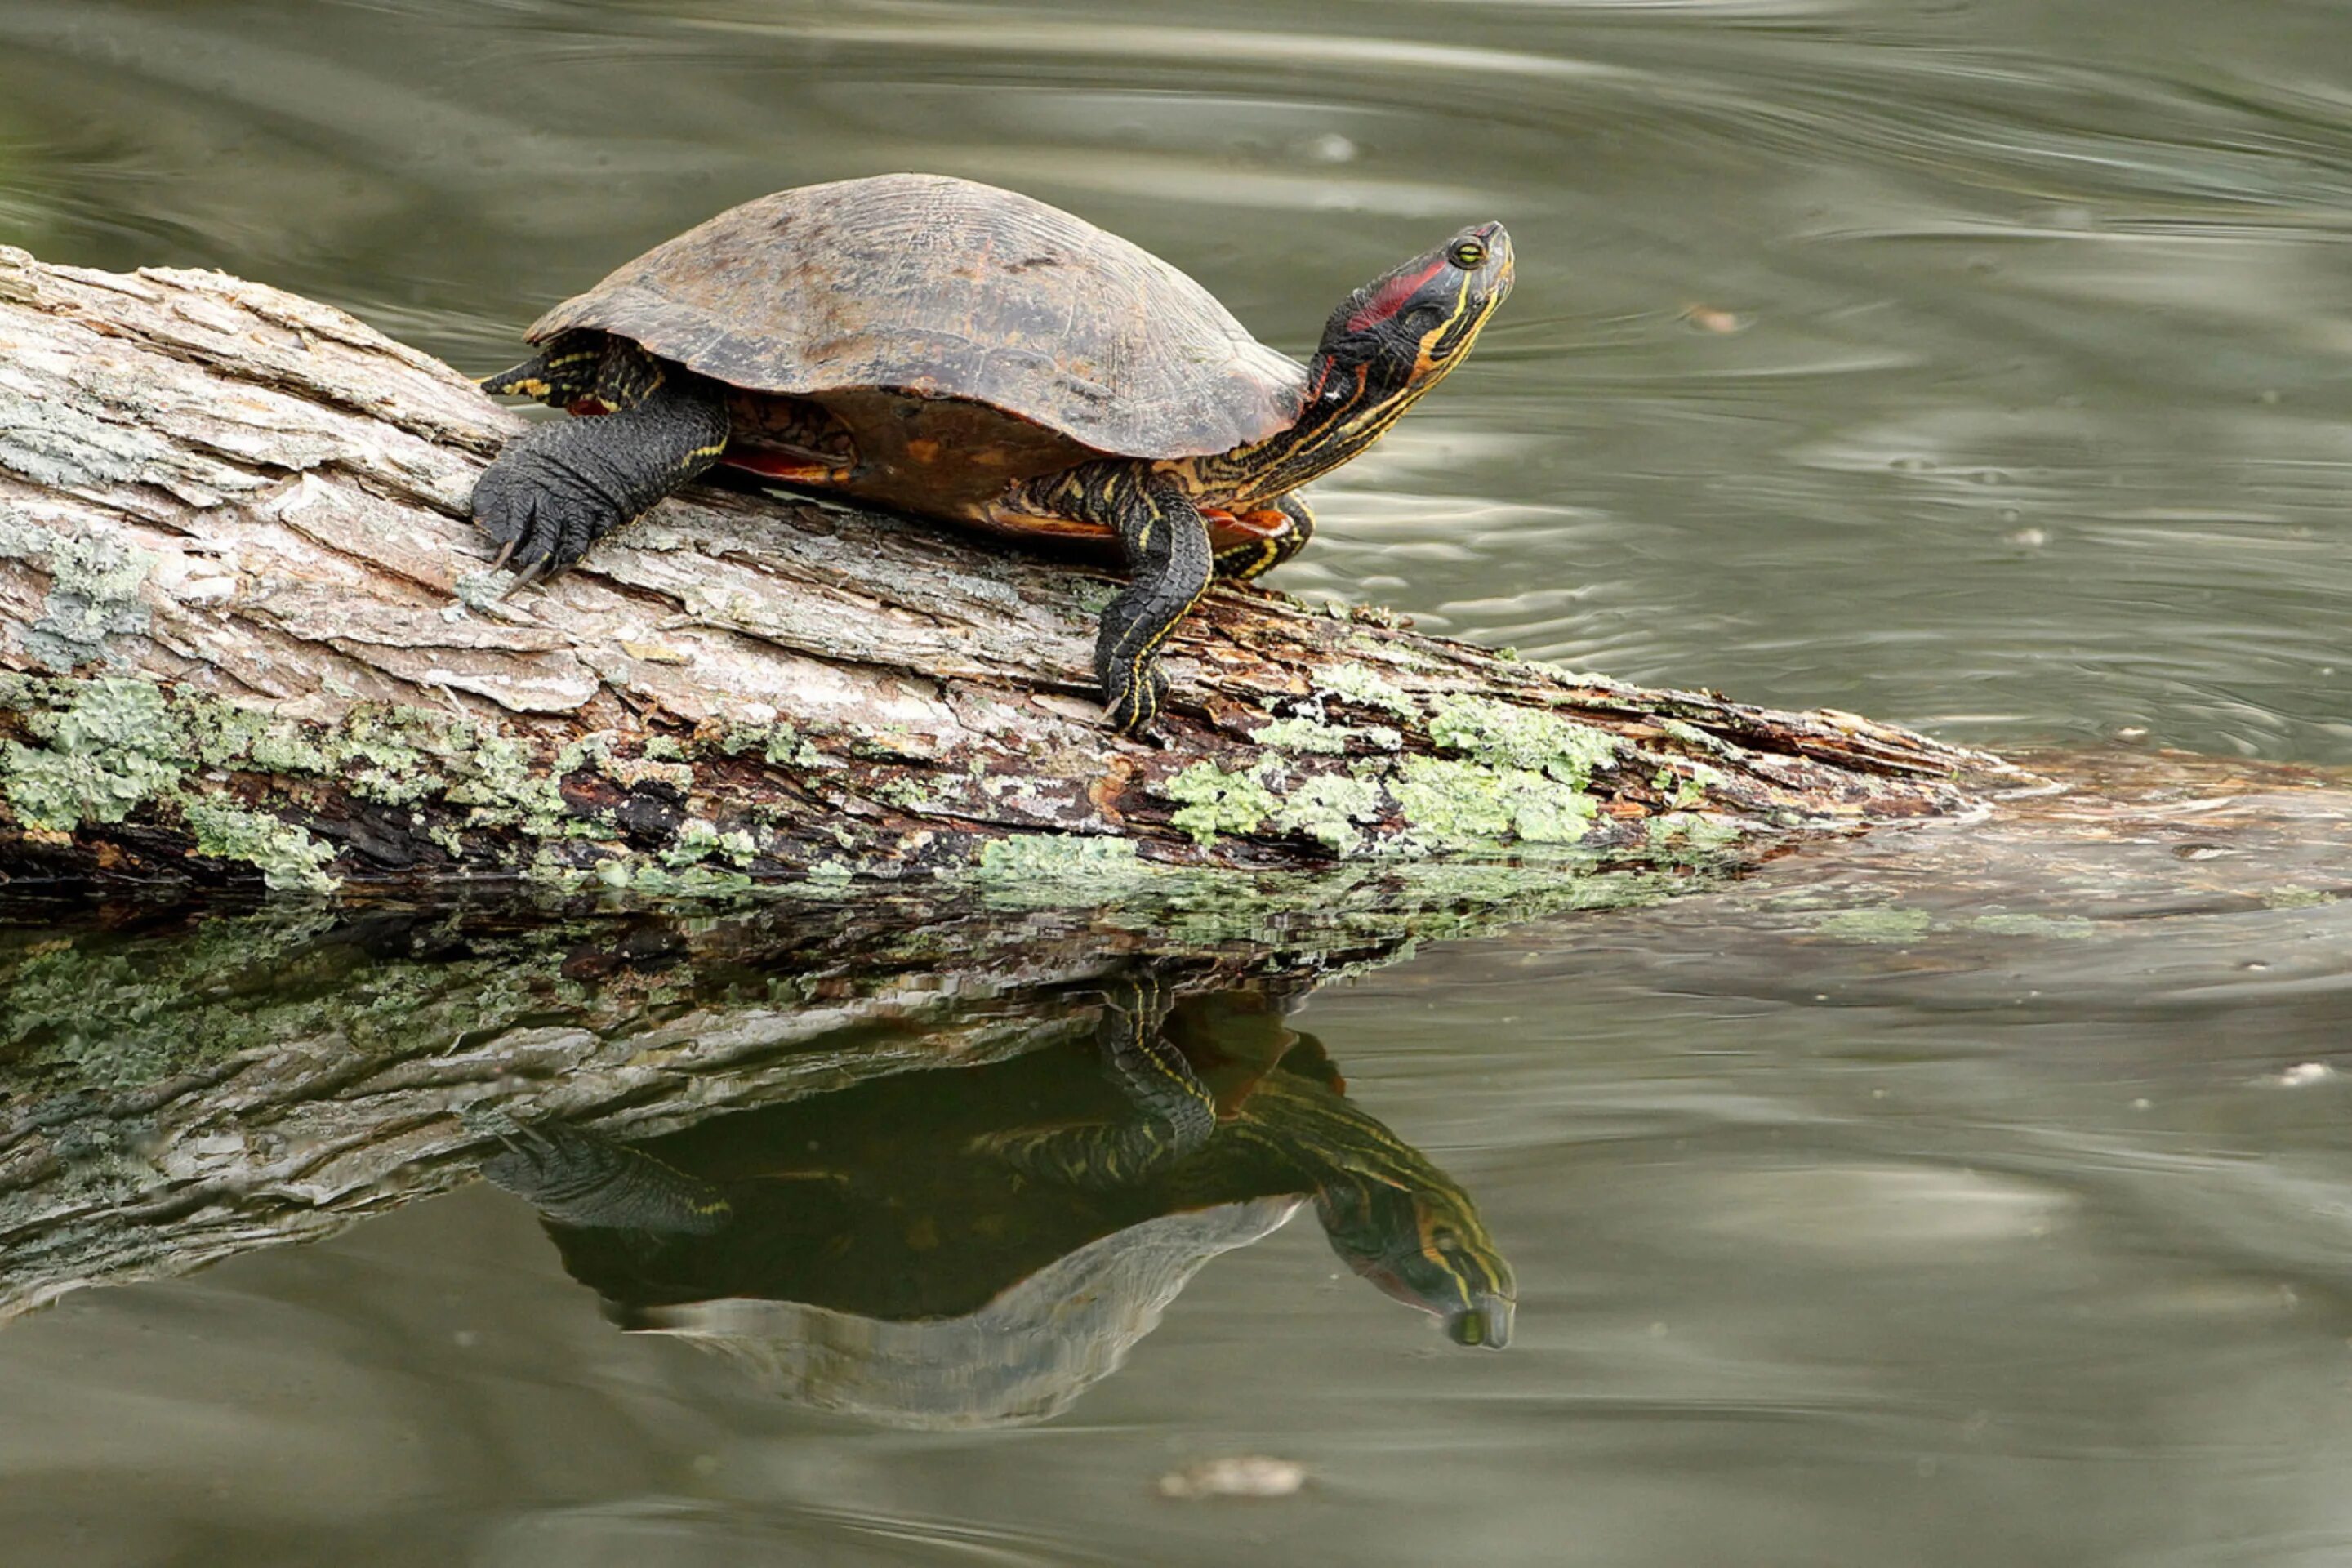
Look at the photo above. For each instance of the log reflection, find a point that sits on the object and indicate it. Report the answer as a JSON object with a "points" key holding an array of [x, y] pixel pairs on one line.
{"points": [[977, 1246]]}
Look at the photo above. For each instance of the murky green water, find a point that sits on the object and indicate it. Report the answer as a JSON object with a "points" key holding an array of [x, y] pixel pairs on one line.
{"points": [[1974, 1196]]}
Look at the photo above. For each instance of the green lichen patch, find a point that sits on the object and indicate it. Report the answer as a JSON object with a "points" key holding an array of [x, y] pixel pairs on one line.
{"points": [[2064, 927], [114, 746], [1451, 805], [1212, 802], [701, 839], [1366, 686], [1056, 856], [916, 796], [108, 746], [2292, 896], [1890, 925], [287, 857], [106, 1010], [94, 583], [1505, 736], [1328, 808], [1042, 870], [778, 744], [631, 771], [223, 736]]}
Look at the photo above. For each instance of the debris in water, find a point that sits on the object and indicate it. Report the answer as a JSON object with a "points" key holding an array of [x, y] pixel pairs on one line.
{"points": [[1237, 1475], [1708, 319]]}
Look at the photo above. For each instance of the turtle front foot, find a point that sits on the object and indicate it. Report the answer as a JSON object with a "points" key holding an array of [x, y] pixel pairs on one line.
{"points": [[1133, 706]]}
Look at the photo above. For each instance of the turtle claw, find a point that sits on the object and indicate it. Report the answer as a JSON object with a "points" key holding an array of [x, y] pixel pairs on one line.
{"points": [[541, 518], [527, 576]]}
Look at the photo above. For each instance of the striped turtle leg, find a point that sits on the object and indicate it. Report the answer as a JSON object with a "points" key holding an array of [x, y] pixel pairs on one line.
{"points": [[559, 487], [579, 1178], [1166, 546], [1278, 533], [1173, 1117]]}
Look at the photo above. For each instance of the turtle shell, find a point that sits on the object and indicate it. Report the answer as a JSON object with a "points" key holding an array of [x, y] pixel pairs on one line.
{"points": [[946, 289]]}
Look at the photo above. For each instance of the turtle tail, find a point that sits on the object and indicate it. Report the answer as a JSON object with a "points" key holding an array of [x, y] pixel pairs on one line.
{"points": [[559, 375]]}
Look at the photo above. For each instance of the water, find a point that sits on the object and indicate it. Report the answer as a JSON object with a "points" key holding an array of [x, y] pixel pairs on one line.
{"points": [[1967, 1196]]}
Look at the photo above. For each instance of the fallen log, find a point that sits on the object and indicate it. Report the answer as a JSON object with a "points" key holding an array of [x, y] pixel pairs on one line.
{"points": [[247, 632]]}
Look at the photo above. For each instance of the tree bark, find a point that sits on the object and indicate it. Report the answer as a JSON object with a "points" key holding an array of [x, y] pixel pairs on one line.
{"points": [[245, 632]]}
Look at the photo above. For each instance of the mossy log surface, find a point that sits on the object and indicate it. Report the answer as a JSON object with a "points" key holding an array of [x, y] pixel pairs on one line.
{"points": [[246, 633]]}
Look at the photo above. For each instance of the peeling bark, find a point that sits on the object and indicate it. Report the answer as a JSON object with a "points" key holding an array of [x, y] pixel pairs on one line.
{"points": [[245, 631]]}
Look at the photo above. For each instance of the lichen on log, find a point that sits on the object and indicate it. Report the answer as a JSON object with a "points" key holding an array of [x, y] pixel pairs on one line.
{"points": [[247, 632]]}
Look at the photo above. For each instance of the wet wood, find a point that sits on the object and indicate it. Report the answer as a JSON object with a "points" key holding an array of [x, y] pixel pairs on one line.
{"points": [[246, 633]]}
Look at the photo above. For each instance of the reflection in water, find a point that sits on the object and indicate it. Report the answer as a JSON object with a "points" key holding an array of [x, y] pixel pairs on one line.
{"points": [[1970, 1195], [977, 1247], [1973, 1196]]}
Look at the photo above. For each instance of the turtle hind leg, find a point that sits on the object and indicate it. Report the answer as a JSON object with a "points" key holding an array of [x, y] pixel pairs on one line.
{"points": [[559, 488], [559, 375]]}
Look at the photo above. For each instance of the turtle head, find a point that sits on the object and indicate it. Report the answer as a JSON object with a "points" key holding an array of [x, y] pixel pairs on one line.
{"points": [[1387, 343], [1427, 1249], [1407, 327]]}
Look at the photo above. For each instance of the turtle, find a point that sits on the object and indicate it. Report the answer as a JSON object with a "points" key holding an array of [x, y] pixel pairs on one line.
{"points": [[970, 355]]}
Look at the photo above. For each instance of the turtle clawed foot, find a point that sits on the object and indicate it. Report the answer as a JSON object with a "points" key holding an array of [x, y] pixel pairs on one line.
{"points": [[541, 518], [1134, 712]]}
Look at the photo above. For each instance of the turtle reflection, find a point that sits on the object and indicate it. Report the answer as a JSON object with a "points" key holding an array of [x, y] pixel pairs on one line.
{"points": [[977, 1247]]}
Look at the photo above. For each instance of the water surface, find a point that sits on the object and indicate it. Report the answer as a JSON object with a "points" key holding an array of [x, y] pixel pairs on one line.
{"points": [[1979, 364]]}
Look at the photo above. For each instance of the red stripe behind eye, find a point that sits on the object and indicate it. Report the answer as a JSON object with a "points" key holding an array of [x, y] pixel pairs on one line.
{"points": [[1391, 295]]}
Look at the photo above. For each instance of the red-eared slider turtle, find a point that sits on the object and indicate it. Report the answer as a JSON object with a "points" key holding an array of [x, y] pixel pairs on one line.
{"points": [[966, 353]]}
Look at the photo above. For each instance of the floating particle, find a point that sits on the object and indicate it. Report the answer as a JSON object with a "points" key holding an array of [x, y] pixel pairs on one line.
{"points": [[1237, 1475]]}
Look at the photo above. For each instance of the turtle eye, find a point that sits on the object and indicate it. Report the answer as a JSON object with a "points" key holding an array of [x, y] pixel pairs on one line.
{"points": [[1467, 254]]}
